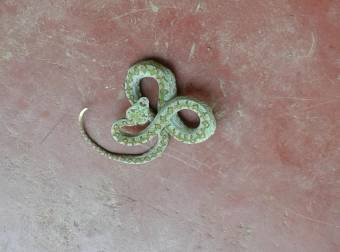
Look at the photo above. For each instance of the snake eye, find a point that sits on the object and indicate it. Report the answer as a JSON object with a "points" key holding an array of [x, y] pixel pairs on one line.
{"points": [[143, 101]]}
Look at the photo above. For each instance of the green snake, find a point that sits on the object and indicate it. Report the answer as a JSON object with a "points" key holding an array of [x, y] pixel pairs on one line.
{"points": [[164, 123]]}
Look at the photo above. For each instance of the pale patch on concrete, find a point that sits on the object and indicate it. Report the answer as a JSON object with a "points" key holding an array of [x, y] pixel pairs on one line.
{"points": [[121, 95], [153, 7], [219, 115], [337, 62], [68, 54], [304, 182], [333, 12], [237, 123], [7, 55]]}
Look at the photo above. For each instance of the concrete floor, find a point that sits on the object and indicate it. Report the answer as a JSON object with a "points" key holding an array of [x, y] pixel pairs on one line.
{"points": [[268, 180]]}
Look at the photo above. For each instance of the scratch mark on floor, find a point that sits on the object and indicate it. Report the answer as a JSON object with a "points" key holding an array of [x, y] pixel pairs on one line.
{"points": [[321, 104], [153, 8], [291, 98], [180, 160], [331, 99], [221, 84], [129, 13], [302, 216], [52, 129], [312, 47], [50, 62], [80, 91], [12, 132], [198, 163], [198, 6], [312, 219], [192, 51], [170, 212]]}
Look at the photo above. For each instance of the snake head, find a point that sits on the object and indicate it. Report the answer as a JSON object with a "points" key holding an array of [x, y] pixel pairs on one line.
{"points": [[139, 113]]}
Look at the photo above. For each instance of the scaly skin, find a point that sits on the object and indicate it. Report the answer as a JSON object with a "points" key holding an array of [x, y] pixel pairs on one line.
{"points": [[165, 123]]}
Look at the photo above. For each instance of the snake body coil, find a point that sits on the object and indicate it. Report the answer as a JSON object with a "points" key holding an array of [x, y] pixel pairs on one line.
{"points": [[165, 123]]}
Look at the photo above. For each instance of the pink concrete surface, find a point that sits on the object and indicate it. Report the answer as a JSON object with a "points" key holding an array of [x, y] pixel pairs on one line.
{"points": [[268, 180]]}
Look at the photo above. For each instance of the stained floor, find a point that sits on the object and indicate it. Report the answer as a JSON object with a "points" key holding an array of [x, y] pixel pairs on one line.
{"points": [[268, 180]]}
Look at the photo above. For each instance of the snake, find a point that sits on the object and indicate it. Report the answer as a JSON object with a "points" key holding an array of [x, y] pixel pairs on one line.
{"points": [[162, 124]]}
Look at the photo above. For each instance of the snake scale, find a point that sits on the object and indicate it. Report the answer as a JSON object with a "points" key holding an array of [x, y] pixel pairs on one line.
{"points": [[163, 124]]}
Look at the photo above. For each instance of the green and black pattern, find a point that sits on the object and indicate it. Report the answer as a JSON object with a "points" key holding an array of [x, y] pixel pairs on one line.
{"points": [[165, 123]]}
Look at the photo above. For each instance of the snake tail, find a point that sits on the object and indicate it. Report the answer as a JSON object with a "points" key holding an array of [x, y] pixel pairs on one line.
{"points": [[142, 158]]}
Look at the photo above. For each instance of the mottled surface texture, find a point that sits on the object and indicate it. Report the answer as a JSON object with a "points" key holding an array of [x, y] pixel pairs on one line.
{"points": [[268, 180], [159, 124]]}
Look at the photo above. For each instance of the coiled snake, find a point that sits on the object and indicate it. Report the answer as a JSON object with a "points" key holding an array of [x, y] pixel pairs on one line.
{"points": [[165, 123]]}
